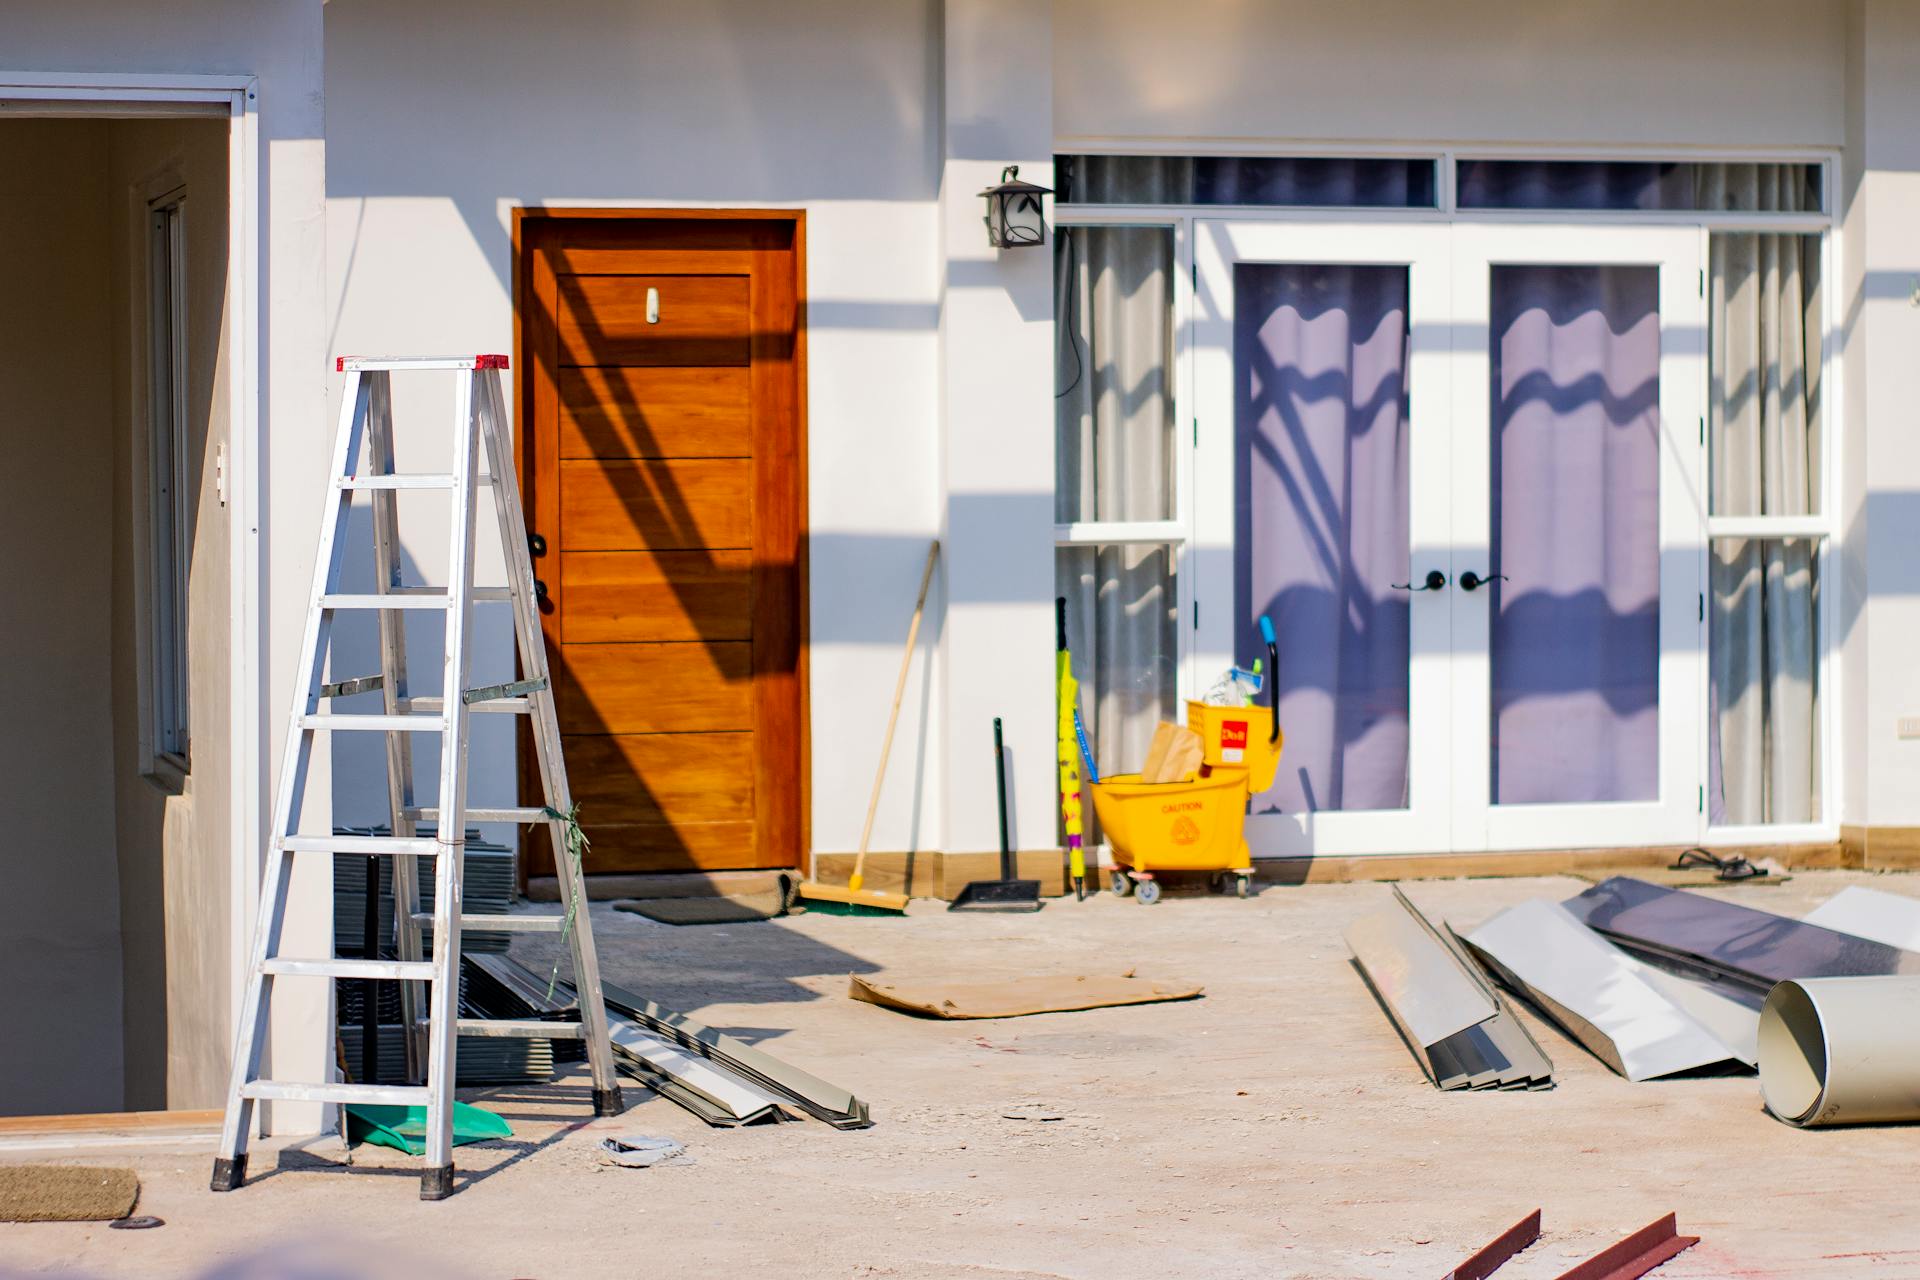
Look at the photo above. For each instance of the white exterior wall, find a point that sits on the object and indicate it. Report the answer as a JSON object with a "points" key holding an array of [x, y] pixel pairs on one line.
{"points": [[927, 350], [997, 427], [1881, 515], [1711, 73], [442, 117]]}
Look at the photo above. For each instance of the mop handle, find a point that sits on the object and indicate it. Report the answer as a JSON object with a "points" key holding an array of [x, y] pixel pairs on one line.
{"points": [[1273, 676]]}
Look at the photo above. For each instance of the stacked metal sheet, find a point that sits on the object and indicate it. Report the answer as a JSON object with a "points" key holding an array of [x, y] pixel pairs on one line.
{"points": [[1750, 948], [1639, 1020], [481, 1060], [722, 1080], [1891, 918], [1460, 1029], [486, 888]]}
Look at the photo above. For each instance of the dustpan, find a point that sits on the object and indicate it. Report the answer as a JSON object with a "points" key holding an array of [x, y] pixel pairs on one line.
{"points": [[1006, 893], [405, 1128]]}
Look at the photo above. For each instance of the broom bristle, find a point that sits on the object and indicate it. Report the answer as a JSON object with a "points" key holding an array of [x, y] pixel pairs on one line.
{"points": [[828, 897], [830, 908]]}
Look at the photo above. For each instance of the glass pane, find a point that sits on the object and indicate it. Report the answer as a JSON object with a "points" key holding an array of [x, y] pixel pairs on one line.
{"points": [[1296, 181], [1120, 631], [1766, 385], [1763, 738], [1113, 383], [1687, 186], [1575, 644], [1321, 510]]}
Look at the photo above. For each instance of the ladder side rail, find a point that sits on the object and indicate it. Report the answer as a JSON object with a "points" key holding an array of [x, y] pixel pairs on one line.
{"points": [[436, 1175], [255, 1006], [383, 460], [545, 726]]}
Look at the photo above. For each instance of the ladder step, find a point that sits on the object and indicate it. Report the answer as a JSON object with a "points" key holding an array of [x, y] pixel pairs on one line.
{"points": [[482, 815], [413, 848], [338, 723], [388, 600], [480, 593], [391, 970], [500, 924], [403, 1095], [518, 1028], [498, 706], [391, 481]]}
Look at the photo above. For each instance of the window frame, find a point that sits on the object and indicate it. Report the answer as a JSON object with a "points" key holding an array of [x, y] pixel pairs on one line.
{"points": [[166, 553], [1176, 534], [1823, 528]]}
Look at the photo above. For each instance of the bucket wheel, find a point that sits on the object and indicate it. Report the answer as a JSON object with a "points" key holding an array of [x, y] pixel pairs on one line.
{"points": [[1119, 883], [1148, 891]]}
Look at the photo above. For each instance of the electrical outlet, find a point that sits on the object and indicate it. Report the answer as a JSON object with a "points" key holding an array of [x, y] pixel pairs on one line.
{"points": [[1909, 727]]}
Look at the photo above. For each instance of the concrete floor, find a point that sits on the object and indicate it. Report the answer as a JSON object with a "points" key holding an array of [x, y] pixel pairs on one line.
{"points": [[1276, 1127]]}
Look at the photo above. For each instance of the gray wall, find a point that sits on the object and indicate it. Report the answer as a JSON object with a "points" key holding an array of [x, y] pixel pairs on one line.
{"points": [[175, 869], [60, 949]]}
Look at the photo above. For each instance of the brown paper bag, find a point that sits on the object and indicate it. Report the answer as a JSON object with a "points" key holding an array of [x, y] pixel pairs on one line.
{"points": [[1175, 755]]}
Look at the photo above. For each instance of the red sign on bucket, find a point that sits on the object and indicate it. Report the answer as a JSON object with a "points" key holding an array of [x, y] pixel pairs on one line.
{"points": [[1233, 741]]}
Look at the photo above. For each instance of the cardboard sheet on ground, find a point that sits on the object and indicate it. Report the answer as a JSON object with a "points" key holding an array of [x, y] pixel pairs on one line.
{"points": [[1018, 997]]}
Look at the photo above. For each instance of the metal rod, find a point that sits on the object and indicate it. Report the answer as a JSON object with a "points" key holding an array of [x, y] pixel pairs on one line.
{"points": [[1000, 781]]}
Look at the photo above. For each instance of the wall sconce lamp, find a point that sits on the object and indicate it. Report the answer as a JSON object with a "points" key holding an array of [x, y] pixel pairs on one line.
{"points": [[1014, 220]]}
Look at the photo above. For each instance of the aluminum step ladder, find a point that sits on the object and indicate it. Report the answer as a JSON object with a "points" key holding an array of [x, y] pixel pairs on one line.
{"points": [[366, 423]]}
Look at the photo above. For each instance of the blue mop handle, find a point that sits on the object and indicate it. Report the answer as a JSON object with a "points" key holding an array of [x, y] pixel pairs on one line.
{"points": [[1086, 752]]}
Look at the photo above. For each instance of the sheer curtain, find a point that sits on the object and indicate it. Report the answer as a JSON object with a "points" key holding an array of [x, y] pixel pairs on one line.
{"points": [[1764, 763], [1575, 643], [1113, 423], [1321, 532]]}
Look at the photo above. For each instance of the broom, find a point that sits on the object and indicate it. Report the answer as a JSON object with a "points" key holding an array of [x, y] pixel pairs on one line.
{"points": [[854, 900]]}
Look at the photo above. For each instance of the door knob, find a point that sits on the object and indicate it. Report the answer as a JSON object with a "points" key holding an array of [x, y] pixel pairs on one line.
{"points": [[1470, 580], [1434, 581], [536, 544], [539, 591]]}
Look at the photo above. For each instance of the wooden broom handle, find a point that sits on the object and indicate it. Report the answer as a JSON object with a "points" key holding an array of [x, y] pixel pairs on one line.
{"points": [[893, 716]]}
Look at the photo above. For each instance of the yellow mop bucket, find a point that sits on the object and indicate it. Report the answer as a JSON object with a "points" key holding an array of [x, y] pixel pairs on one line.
{"points": [[1195, 825]]}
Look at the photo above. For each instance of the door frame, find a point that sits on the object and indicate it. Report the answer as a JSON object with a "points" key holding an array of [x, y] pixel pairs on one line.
{"points": [[522, 272], [1423, 249], [235, 99]]}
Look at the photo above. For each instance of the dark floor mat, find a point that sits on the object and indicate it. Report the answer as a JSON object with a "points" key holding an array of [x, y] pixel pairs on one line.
{"points": [[726, 909]]}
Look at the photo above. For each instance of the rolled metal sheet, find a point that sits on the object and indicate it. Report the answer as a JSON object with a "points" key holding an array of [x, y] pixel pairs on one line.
{"points": [[1754, 948], [1842, 1051], [1891, 918], [1603, 998]]}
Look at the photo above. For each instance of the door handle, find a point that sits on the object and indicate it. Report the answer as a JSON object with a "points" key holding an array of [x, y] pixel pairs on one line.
{"points": [[1470, 580], [1434, 581]]}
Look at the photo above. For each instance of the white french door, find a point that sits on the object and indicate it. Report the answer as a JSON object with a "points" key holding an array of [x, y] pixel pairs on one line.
{"points": [[1314, 505], [1578, 471], [1460, 467]]}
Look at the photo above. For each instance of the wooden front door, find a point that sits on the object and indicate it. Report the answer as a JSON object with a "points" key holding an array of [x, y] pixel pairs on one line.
{"points": [[661, 413]]}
